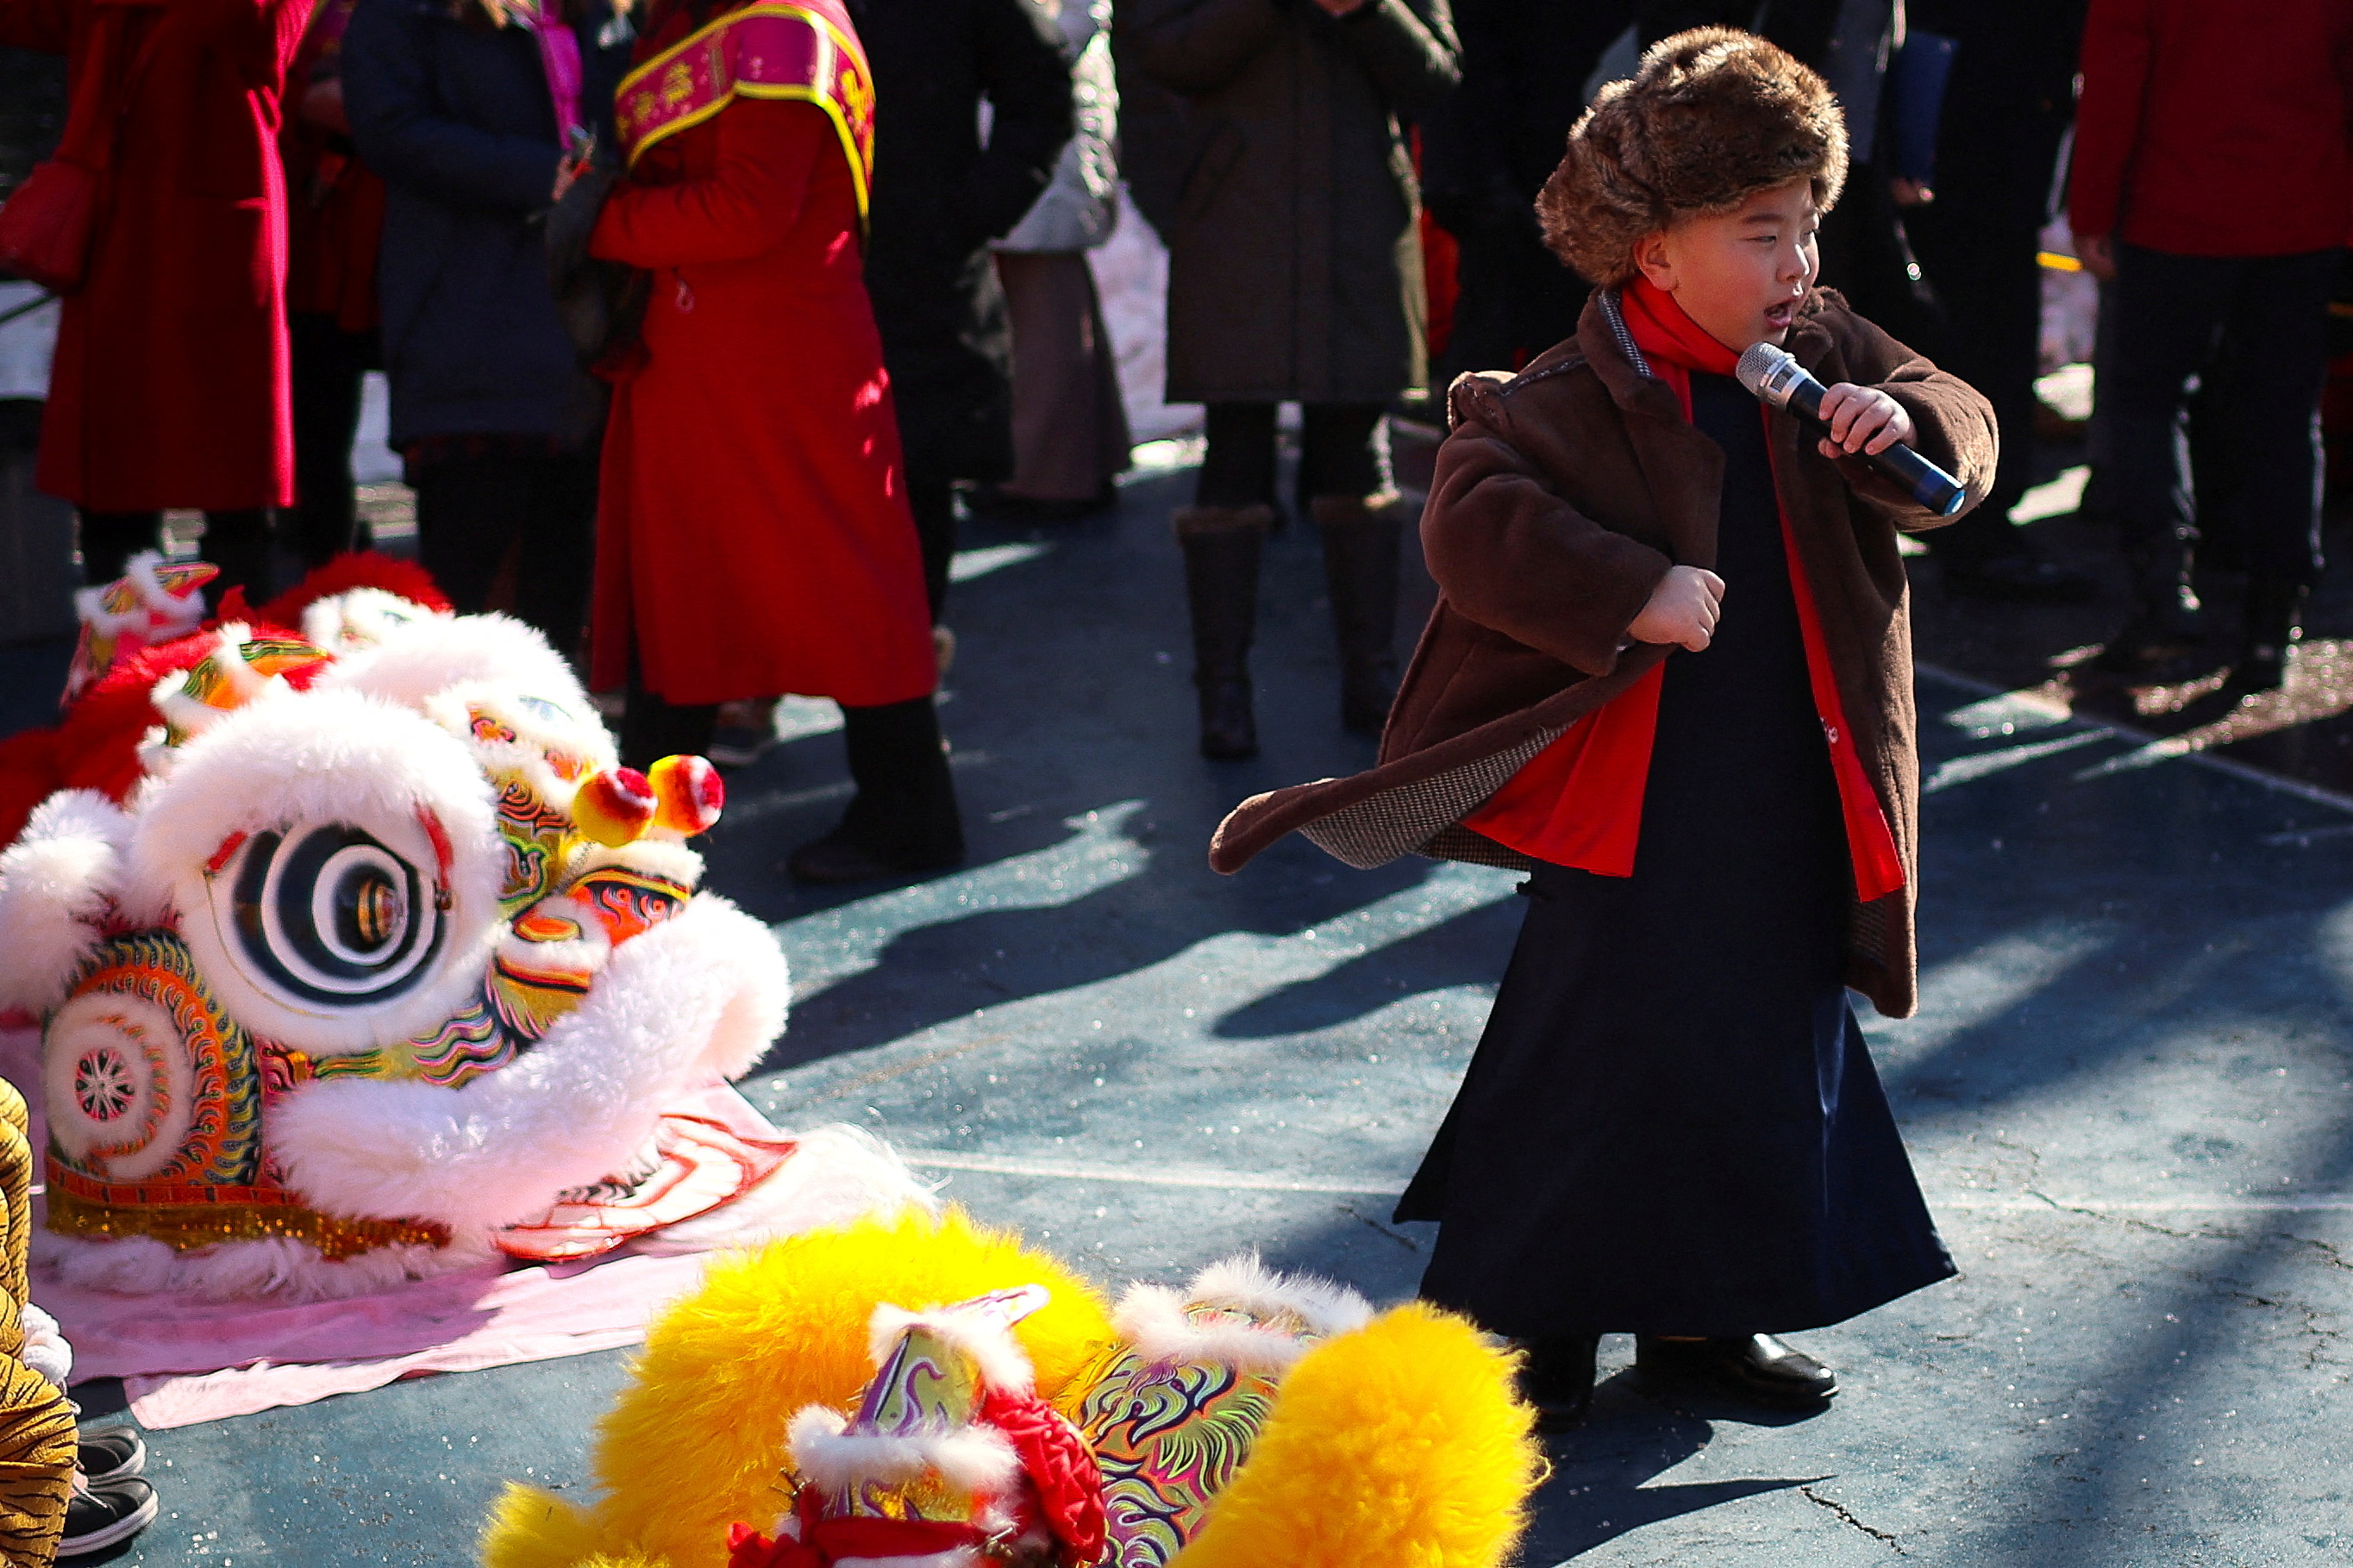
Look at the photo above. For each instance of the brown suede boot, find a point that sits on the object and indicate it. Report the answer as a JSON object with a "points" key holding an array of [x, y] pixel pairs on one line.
{"points": [[1360, 565], [1222, 545]]}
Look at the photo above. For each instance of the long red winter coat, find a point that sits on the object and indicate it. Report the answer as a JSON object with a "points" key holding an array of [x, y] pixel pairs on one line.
{"points": [[170, 386], [2216, 129], [754, 530]]}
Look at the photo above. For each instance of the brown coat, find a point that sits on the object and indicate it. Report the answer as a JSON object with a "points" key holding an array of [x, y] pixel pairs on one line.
{"points": [[1560, 499], [1295, 255]]}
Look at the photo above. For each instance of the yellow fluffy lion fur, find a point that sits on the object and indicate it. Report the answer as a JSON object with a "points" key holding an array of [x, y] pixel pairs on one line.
{"points": [[530, 1528], [697, 1441], [1400, 1444]]}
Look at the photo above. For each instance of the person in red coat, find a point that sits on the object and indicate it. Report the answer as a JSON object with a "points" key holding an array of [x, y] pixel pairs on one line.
{"points": [[170, 384], [754, 532], [2214, 188]]}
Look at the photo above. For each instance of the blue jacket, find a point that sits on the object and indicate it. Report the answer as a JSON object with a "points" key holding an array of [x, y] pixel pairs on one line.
{"points": [[456, 117]]}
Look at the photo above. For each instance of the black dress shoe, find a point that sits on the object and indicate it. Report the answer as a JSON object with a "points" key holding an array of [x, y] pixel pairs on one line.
{"points": [[2020, 578], [1556, 1379], [836, 859], [1757, 1367]]}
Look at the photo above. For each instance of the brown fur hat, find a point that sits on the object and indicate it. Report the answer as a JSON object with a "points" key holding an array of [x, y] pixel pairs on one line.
{"points": [[1711, 117]]}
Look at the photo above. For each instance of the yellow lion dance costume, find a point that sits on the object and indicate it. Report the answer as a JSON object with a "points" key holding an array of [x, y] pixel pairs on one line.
{"points": [[1014, 1416]]}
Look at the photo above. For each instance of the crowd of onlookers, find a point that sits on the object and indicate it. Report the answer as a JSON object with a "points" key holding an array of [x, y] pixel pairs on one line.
{"points": [[695, 363], [293, 193]]}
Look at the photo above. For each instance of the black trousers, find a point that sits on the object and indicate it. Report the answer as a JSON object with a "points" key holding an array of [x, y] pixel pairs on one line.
{"points": [[1990, 290], [474, 509], [328, 367], [240, 543], [1343, 450], [2251, 328], [932, 497]]}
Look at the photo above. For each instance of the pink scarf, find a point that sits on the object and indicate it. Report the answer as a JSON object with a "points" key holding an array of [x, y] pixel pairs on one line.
{"points": [[559, 56]]}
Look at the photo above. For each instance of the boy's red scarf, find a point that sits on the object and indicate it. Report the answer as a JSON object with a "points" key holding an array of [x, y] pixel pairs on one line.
{"points": [[804, 49], [1578, 802]]}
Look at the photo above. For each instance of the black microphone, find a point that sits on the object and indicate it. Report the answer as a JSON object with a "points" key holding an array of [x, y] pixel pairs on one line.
{"points": [[1777, 377]]}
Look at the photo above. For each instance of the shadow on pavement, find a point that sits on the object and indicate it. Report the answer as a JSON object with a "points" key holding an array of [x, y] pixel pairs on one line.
{"points": [[1467, 950], [932, 972], [1597, 1491]]}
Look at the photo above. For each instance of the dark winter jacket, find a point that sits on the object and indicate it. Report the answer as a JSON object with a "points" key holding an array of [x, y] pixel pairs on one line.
{"points": [[1560, 499], [455, 117], [1488, 149], [940, 197], [1294, 259], [2007, 106]]}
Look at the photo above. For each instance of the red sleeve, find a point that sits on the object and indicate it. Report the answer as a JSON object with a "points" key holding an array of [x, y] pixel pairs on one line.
{"points": [[44, 27], [743, 208], [2116, 49]]}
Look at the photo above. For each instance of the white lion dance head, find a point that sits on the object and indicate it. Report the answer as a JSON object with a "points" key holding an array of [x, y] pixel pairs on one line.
{"points": [[383, 963]]}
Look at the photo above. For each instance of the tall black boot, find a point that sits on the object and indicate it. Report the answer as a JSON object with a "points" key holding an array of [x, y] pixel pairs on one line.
{"points": [[904, 820], [652, 729], [1360, 565], [2274, 621], [2164, 624], [110, 539], [241, 543], [1222, 545]]}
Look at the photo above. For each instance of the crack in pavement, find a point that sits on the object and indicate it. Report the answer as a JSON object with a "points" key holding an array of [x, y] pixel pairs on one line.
{"points": [[2313, 1328], [1353, 1212], [2131, 1222], [1840, 1509], [2327, 1250]]}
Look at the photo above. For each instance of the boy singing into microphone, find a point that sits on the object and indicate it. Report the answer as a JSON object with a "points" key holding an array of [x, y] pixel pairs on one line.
{"points": [[1669, 675]]}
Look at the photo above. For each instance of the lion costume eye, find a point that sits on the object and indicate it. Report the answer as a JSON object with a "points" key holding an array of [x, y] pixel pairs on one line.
{"points": [[329, 916]]}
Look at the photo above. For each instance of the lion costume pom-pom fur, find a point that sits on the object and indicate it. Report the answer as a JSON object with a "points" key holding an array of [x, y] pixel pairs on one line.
{"points": [[530, 1528], [697, 1441], [1401, 1444]]}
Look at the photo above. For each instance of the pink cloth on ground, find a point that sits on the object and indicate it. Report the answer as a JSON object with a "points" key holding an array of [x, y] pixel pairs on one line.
{"points": [[183, 1361]]}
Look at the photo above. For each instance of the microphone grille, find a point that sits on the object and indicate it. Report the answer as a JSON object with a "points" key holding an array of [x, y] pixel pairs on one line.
{"points": [[1756, 367]]}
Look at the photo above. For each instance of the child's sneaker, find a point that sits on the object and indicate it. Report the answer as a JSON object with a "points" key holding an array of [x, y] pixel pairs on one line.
{"points": [[104, 1514], [115, 1454]]}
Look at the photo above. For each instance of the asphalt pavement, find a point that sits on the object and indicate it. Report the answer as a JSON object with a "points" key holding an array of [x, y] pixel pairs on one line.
{"points": [[2128, 1092]]}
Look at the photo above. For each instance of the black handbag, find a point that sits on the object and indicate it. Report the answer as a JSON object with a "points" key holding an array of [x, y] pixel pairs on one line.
{"points": [[602, 303]]}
